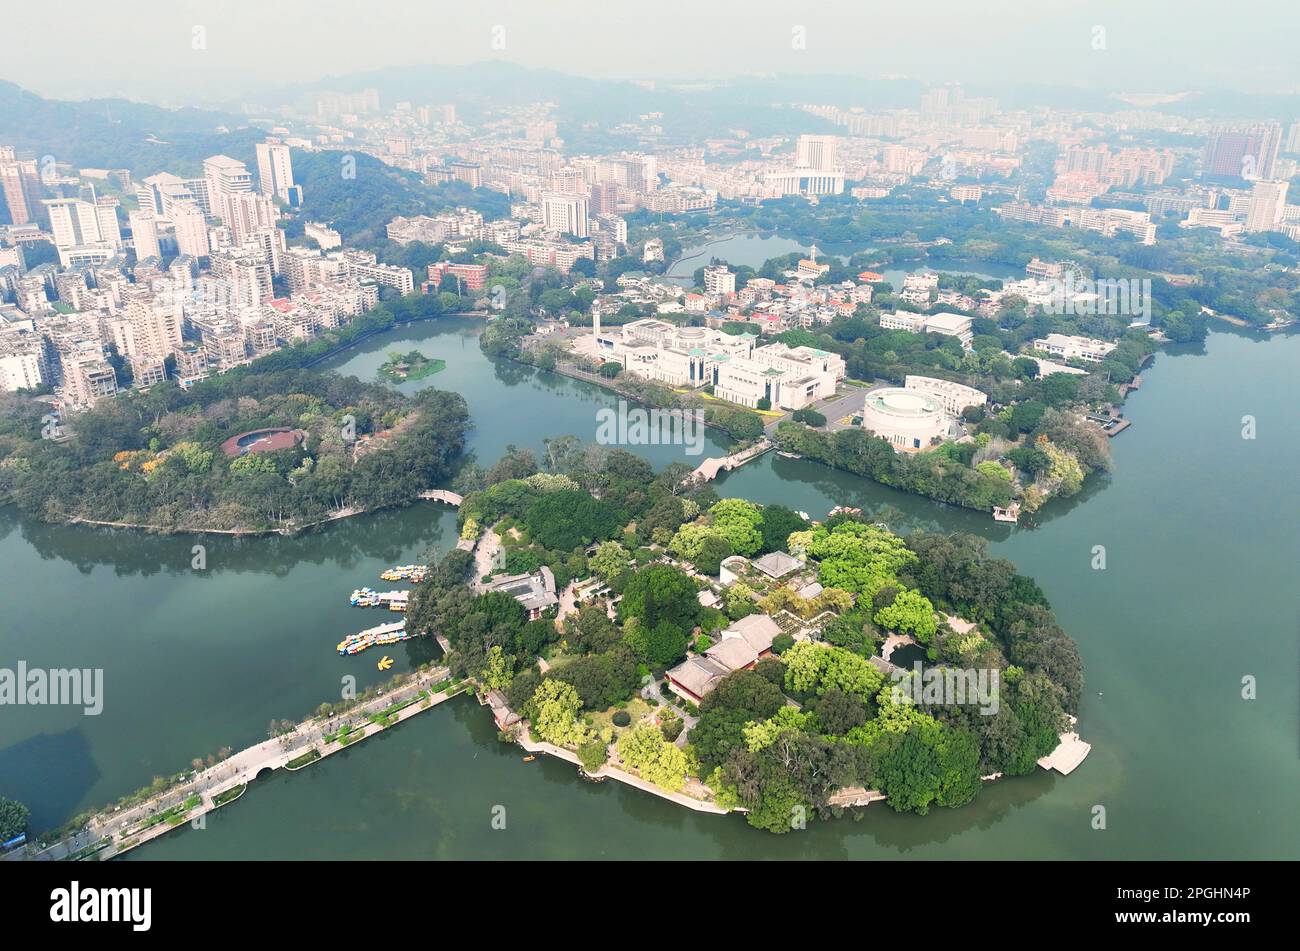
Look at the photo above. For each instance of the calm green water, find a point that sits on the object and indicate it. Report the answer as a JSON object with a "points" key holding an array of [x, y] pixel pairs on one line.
{"points": [[1200, 534], [748, 249], [752, 249]]}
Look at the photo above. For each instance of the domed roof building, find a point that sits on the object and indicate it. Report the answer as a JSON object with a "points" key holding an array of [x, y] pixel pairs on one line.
{"points": [[911, 420]]}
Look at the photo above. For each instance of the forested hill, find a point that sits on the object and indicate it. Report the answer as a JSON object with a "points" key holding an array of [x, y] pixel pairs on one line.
{"points": [[358, 194], [117, 133]]}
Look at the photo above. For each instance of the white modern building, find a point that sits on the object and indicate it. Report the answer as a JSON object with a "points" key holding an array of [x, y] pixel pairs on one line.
{"points": [[1267, 204], [565, 213], [144, 235], [740, 372], [952, 325], [1065, 347], [719, 279], [910, 420], [326, 237], [274, 170]]}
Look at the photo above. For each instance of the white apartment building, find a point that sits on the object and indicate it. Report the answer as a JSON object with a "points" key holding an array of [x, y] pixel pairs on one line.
{"points": [[304, 268], [190, 229], [242, 276], [153, 329], [84, 230], [1266, 207], [327, 238], [565, 213], [246, 213], [1066, 347], [953, 325], [158, 193], [225, 176], [719, 279], [364, 266], [274, 170], [23, 363], [144, 235]]}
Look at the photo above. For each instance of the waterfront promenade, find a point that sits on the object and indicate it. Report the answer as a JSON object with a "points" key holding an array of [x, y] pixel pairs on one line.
{"points": [[115, 831]]}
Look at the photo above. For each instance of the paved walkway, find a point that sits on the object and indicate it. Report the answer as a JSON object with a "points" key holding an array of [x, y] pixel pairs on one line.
{"points": [[124, 829]]}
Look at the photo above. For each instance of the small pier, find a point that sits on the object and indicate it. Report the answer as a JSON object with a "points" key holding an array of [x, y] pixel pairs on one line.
{"points": [[1112, 426], [1069, 753]]}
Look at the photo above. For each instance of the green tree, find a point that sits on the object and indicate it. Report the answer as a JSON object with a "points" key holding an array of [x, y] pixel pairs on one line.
{"points": [[13, 818], [610, 560], [910, 613], [738, 522], [555, 707], [644, 749], [660, 593], [777, 525], [499, 670]]}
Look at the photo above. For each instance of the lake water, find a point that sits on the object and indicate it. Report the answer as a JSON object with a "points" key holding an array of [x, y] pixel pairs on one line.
{"points": [[752, 249], [1199, 528]]}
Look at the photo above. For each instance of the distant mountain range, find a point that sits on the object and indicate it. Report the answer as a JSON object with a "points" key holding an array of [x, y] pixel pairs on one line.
{"points": [[146, 138], [118, 133]]}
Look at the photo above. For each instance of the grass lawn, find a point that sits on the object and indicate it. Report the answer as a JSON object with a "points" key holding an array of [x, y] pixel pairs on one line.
{"points": [[636, 708]]}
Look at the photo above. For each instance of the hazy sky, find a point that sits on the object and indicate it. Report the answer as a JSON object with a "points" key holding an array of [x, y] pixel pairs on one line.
{"points": [[145, 48]]}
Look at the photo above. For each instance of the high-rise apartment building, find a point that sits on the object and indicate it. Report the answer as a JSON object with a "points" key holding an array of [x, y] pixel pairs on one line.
{"points": [[246, 213], [1249, 152], [144, 235], [1267, 204], [719, 279], [191, 229], [20, 186], [565, 213], [83, 224], [225, 178], [817, 152], [274, 170]]}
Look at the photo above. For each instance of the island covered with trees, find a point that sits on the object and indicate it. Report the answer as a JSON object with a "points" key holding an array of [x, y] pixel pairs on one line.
{"points": [[659, 570], [412, 365], [195, 459]]}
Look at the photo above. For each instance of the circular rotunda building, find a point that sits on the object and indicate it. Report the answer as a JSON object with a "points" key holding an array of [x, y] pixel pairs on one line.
{"points": [[909, 419]]}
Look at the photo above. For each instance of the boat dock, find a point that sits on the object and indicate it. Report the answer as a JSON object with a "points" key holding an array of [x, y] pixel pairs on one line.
{"points": [[414, 573], [1112, 426], [370, 598], [380, 636]]}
